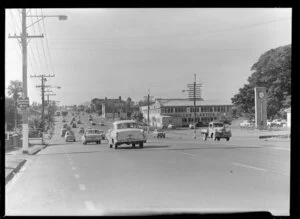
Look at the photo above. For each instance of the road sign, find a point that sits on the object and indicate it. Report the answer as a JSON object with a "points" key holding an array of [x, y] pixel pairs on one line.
{"points": [[23, 102]]}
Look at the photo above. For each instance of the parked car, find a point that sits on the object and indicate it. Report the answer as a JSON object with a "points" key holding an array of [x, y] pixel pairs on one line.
{"points": [[126, 132], [191, 126], [171, 126], [69, 136], [74, 125], [91, 135], [247, 124], [216, 131], [64, 120], [79, 122], [102, 134], [90, 119], [159, 133], [63, 132], [101, 123], [81, 130], [93, 123]]}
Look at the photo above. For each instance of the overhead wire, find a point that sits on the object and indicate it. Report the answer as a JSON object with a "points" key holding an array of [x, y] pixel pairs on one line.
{"points": [[46, 62], [38, 66], [46, 37]]}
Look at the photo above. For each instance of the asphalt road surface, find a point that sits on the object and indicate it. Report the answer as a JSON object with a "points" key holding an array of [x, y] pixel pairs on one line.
{"points": [[175, 174]]}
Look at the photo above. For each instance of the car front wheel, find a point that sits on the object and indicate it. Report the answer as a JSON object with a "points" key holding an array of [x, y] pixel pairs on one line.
{"points": [[133, 145], [116, 146]]}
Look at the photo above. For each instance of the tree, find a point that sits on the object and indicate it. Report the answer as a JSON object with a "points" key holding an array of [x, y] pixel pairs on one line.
{"points": [[273, 71], [15, 89], [138, 116]]}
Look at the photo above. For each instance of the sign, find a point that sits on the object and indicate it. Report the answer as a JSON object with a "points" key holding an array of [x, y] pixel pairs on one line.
{"points": [[260, 107], [23, 102]]}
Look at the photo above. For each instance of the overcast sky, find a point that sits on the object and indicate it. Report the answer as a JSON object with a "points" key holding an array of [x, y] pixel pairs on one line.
{"points": [[99, 53]]}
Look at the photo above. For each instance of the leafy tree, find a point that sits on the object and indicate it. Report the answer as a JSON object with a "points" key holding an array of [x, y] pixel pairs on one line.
{"points": [[273, 71], [15, 89], [138, 116]]}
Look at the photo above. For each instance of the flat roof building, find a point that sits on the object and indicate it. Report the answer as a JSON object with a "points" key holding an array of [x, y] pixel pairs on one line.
{"points": [[180, 112]]}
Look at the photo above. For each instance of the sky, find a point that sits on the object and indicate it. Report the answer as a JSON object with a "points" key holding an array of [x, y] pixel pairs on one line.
{"points": [[98, 52]]}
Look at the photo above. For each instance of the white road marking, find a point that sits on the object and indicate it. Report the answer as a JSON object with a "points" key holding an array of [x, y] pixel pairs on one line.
{"points": [[189, 154], [77, 176], [82, 187], [89, 205], [248, 166], [73, 168]]}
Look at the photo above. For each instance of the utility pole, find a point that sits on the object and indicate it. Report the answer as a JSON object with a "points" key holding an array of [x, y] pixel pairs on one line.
{"points": [[43, 79], [194, 93], [24, 36], [148, 97]]}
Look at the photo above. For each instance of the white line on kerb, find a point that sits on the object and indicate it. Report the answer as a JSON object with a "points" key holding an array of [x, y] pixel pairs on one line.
{"points": [[190, 154], [89, 205], [248, 166], [82, 187], [77, 176]]}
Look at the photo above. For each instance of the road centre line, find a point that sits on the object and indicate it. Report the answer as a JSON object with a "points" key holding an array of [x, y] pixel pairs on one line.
{"points": [[89, 205], [73, 168], [77, 176], [82, 187], [248, 166]]}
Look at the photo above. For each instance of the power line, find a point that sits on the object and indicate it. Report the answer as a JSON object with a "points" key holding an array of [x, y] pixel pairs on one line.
{"points": [[46, 63], [39, 68], [39, 55], [45, 35]]}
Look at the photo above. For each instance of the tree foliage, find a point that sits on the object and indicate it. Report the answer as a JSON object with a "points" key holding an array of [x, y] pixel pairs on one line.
{"points": [[273, 71], [138, 116]]}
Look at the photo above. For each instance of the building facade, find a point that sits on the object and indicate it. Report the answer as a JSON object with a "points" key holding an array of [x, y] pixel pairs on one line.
{"points": [[113, 109], [180, 112]]}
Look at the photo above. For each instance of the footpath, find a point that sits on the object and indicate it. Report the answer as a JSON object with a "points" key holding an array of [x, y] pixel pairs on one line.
{"points": [[15, 159]]}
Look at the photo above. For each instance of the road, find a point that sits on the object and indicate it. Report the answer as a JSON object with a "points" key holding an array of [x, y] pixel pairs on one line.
{"points": [[175, 174]]}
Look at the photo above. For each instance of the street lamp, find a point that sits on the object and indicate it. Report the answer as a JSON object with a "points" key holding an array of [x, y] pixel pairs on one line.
{"points": [[42, 17]]}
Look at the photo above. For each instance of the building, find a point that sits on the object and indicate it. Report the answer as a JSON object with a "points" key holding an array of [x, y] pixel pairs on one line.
{"points": [[180, 112], [113, 108]]}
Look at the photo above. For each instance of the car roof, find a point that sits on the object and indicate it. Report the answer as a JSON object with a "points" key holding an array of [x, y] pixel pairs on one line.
{"points": [[124, 121]]}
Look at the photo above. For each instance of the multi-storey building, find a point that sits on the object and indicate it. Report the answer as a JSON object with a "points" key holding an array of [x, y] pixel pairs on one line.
{"points": [[180, 112]]}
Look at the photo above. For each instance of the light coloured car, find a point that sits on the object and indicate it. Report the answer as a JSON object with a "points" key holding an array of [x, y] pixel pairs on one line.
{"points": [[126, 132], [171, 126], [81, 130], [159, 133], [91, 135], [191, 126], [69, 136], [247, 123], [63, 132]]}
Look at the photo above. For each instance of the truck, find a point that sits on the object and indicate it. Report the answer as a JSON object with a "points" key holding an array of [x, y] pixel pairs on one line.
{"points": [[216, 131]]}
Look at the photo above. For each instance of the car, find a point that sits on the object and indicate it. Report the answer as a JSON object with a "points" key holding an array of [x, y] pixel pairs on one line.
{"points": [[247, 124], [93, 123], [63, 132], [101, 123], [216, 131], [81, 130], [126, 132], [74, 125], [79, 122], [90, 119], [102, 134], [91, 135], [69, 136], [171, 126], [159, 133], [191, 126], [64, 120]]}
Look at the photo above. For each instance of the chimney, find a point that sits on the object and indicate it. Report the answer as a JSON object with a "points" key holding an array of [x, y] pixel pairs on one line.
{"points": [[119, 98]]}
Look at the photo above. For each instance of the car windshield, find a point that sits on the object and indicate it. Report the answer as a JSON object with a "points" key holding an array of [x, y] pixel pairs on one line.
{"points": [[127, 125], [92, 131]]}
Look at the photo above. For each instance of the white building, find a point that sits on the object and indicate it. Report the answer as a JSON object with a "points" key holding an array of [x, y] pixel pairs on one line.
{"points": [[180, 112]]}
